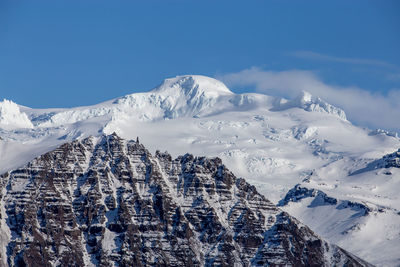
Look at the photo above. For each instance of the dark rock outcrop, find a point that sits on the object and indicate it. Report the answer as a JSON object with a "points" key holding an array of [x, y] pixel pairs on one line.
{"points": [[391, 160], [298, 193]]}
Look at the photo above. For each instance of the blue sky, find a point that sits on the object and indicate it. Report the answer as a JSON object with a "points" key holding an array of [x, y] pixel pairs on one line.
{"points": [[71, 53]]}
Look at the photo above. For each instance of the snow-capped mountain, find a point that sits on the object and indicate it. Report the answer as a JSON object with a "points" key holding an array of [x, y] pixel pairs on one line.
{"points": [[273, 143], [109, 202]]}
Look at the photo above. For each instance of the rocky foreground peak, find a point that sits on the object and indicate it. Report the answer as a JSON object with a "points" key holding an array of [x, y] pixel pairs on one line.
{"points": [[109, 202]]}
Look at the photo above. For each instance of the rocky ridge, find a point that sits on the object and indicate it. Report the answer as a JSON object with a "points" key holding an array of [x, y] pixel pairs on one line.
{"points": [[108, 202], [388, 161], [298, 193]]}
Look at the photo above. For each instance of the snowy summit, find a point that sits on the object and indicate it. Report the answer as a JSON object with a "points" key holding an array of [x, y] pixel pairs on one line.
{"points": [[192, 85]]}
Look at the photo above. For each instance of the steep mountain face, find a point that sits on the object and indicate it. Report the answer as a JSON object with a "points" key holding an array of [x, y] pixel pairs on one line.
{"points": [[108, 202]]}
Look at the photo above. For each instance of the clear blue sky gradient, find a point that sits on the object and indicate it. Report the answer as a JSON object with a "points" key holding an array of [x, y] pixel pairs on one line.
{"points": [[68, 53]]}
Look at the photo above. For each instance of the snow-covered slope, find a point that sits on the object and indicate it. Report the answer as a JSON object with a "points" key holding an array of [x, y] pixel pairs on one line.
{"points": [[274, 143], [354, 224]]}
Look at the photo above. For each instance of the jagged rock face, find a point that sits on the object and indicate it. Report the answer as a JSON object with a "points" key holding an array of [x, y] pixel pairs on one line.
{"points": [[392, 160], [298, 193], [109, 202]]}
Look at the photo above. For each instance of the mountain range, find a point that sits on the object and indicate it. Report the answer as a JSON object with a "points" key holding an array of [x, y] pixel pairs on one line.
{"points": [[302, 154], [108, 202]]}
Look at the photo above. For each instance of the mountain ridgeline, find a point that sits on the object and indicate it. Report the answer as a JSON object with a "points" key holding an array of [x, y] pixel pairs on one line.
{"points": [[105, 201]]}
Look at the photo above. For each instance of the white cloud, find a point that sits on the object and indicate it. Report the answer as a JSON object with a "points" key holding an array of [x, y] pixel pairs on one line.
{"points": [[358, 61], [362, 107], [393, 76]]}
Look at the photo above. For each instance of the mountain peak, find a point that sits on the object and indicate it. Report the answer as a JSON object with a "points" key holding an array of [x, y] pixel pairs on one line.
{"points": [[11, 116], [193, 85], [310, 103], [304, 97], [182, 96]]}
